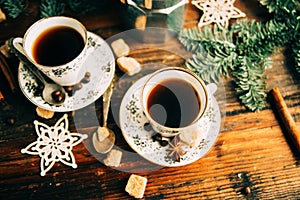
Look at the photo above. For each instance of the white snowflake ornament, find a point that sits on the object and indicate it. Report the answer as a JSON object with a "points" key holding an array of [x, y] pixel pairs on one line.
{"points": [[54, 144], [217, 11]]}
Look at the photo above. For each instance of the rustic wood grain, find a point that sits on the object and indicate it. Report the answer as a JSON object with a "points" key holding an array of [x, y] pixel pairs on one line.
{"points": [[251, 150]]}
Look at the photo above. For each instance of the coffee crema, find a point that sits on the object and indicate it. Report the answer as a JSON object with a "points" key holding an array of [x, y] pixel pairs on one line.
{"points": [[57, 46], [173, 103]]}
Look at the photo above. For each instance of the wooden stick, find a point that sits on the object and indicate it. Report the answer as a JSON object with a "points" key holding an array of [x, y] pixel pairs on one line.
{"points": [[286, 117], [7, 73]]}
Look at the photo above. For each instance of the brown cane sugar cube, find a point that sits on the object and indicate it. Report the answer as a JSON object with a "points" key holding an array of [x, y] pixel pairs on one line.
{"points": [[136, 186], [47, 114], [2, 16], [141, 22], [120, 47], [191, 138], [113, 158], [129, 65], [102, 133], [148, 4]]}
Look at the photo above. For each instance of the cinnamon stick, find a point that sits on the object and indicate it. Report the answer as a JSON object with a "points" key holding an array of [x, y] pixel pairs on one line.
{"points": [[286, 118], [7, 73]]}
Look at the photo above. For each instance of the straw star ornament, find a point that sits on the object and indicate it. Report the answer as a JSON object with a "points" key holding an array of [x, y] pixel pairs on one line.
{"points": [[217, 11], [54, 144]]}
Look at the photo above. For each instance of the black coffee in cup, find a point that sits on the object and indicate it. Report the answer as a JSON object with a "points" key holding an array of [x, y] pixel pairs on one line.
{"points": [[173, 103], [57, 46]]}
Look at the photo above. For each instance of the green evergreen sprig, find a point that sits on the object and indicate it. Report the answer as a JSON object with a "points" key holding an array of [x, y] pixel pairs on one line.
{"points": [[57, 7], [214, 52], [14, 7], [243, 50], [51, 7], [82, 6], [251, 82]]}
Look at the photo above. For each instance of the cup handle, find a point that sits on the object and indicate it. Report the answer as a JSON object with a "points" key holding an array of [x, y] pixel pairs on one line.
{"points": [[18, 44]]}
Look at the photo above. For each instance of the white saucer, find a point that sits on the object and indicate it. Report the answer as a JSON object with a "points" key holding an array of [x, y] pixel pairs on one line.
{"points": [[132, 121], [101, 65]]}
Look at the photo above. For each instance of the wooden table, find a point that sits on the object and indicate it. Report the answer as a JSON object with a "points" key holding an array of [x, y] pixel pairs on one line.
{"points": [[251, 150]]}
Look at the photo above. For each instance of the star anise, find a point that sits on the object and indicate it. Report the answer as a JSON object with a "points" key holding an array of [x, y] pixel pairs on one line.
{"points": [[175, 150]]}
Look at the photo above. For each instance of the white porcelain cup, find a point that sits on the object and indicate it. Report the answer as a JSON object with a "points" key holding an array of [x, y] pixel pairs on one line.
{"points": [[190, 105], [64, 74]]}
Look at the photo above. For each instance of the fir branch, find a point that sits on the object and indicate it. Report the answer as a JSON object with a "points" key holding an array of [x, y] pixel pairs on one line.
{"points": [[247, 54], [210, 68], [254, 43], [15, 7], [257, 39], [280, 5], [51, 8], [215, 52], [81, 6], [196, 38], [251, 85]]}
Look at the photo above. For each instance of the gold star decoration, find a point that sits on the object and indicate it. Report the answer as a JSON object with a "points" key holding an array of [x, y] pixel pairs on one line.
{"points": [[217, 11]]}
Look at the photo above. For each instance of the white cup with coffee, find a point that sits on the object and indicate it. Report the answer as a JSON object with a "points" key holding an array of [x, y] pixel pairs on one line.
{"points": [[57, 46], [174, 101]]}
